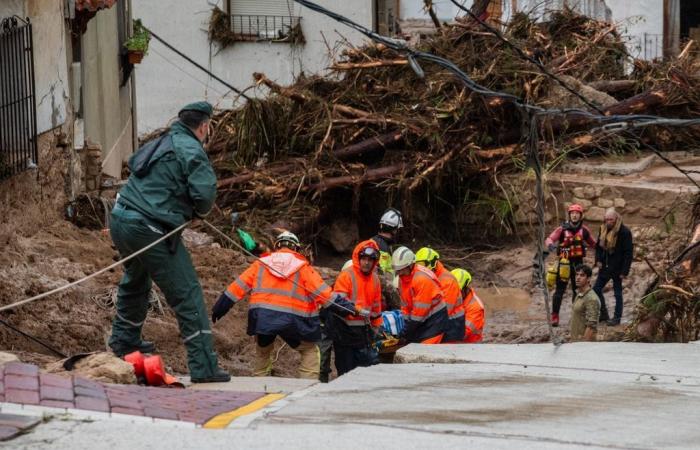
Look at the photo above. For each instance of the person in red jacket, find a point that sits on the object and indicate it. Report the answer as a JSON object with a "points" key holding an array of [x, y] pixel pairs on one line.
{"points": [[452, 294], [421, 299], [353, 335], [474, 314], [285, 296], [569, 240]]}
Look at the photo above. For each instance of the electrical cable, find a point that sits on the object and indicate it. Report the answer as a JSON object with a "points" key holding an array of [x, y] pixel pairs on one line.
{"points": [[196, 64], [32, 338]]}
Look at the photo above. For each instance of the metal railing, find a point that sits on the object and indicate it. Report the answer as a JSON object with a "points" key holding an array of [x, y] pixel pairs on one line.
{"points": [[264, 28], [18, 144]]}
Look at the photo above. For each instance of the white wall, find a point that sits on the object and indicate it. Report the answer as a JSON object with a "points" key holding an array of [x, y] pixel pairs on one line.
{"points": [[636, 18], [165, 82], [444, 9], [50, 67]]}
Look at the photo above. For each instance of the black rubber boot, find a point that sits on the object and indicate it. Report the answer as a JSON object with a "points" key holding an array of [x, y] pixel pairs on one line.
{"points": [[219, 376], [143, 347]]}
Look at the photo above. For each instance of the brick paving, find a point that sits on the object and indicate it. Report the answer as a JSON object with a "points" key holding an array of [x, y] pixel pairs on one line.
{"points": [[12, 425], [22, 383]]}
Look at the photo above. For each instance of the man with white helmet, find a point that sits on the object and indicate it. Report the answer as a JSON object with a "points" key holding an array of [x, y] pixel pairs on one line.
{"points": [[389, 225], [285, 294], [421, 299]]}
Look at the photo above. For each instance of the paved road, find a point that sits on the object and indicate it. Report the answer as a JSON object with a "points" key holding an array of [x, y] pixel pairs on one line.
{"points": [[611, 395]]}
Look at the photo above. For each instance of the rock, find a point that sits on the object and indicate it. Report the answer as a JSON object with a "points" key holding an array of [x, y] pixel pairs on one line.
{"points": [[595, 214], [589, 192], [598, 190], [583, 202], [650, 213], [101, 366], [578, 192], [619, 202], [7, 357], [193, 238], [343, 234], [647, 328], [605, 203]]}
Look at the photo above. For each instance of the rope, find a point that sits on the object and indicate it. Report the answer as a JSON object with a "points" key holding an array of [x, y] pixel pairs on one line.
{"points": [[93, 275]]}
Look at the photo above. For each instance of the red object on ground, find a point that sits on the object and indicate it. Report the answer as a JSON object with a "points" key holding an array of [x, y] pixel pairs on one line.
{"points": [[136, 359]]}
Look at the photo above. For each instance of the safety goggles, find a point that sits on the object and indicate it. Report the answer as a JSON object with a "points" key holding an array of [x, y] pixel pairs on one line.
{"points": [[369, 252]]}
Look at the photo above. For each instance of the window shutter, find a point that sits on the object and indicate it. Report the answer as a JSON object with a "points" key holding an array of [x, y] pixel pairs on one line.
{"points": [[262, 7]]}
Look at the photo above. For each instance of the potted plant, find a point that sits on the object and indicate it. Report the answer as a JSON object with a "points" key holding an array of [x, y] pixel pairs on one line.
{"points": [[137, 44]]}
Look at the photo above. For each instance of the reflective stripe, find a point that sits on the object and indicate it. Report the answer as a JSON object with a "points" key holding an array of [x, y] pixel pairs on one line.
{"points": [[417, 318], [283, 309], [470, 326], [192, 336], [280, 292], [231, 296], [457, 314], [133, 324], [317, 292], [241, 284], [436, 310], [423, 305]]}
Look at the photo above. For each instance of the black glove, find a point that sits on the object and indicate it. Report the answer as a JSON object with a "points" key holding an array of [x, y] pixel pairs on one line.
{"points": [[552, 248], [341, 306], [221, 307]]}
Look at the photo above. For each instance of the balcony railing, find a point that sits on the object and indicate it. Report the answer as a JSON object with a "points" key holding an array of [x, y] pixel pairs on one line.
{"points": [[267, 28]]}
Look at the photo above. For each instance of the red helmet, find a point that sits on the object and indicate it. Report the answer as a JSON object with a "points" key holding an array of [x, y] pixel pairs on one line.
{"points": [[576, 207]]}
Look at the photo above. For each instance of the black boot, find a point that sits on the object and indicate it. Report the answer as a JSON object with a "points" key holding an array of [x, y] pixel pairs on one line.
{"points": [[614, 321], [219, 376], [143, 347]]}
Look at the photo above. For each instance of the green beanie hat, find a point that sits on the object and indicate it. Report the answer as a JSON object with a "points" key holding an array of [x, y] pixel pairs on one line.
{"points": [[203, 107]]}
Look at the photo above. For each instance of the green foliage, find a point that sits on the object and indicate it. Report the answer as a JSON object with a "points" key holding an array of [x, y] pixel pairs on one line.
{"points": [[138, 42]]}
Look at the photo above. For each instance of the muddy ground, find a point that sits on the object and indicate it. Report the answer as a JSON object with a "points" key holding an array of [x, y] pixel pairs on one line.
{"points": [[79, 320]]}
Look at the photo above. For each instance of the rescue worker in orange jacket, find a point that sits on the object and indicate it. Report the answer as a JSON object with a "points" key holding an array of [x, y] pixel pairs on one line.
{"points": [[452, 294], [285, 296], [421, 299], [353, 335], [474, 317]]}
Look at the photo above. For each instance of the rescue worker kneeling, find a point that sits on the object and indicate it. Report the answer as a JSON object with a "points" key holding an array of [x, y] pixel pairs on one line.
{"points": [[473, 307], [452, 294], [285, 296], [421, 299], [354, 335]]}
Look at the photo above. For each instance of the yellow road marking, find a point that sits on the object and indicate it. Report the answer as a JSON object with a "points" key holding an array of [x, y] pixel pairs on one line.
{"points": [[224, 419]]}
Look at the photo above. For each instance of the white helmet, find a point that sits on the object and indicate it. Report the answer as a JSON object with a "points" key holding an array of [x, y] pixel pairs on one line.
{"points": [[347, 265], [391, 218], [402, 258], [288, 238]]}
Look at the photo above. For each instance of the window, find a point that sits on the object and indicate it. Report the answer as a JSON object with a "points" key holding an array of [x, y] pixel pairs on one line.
{"points": [[18, 146], [264, 20]]}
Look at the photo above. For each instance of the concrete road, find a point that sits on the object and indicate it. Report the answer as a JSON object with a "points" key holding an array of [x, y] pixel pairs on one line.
{"points": [[612, 395]]}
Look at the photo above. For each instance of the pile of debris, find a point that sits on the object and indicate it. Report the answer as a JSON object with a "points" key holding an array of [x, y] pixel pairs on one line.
{"points": [[670, 310], [374, 133]]}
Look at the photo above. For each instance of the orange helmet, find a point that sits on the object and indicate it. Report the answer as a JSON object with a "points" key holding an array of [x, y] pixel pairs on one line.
{"points": [[576, 207]]}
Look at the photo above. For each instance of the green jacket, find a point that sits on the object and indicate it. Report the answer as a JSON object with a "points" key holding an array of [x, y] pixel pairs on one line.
{"points": [[180, 181]]}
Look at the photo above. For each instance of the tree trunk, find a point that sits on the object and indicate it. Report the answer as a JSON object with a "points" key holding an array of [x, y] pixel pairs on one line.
{"points": [[369, 145], [347, 180]]}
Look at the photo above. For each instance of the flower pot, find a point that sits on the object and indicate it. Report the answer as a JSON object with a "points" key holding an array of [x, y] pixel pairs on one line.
{"points": [[135, 56]]}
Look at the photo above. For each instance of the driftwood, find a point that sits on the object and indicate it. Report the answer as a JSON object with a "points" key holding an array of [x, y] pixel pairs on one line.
{"points": [[369, 145], [369, 64], [612, 86], [347, 180]]}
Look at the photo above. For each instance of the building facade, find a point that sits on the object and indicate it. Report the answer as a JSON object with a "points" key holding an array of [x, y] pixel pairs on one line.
{"points": [[276, 37]]}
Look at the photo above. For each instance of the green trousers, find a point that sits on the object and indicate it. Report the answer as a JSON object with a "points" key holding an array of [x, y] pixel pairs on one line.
{"points": [[175, 276]]}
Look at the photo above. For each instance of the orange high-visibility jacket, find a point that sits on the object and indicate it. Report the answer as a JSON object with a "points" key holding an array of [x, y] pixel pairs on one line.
{"points": [[364, 291], [285, 295], [422, 304], [474, 317], [452, 295]]}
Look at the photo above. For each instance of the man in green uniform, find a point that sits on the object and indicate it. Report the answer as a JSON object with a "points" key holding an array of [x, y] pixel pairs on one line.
{"points": [[171, 182], [586, 309]]}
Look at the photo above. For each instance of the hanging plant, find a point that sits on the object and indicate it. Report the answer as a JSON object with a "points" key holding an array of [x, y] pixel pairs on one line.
{"points": [[137, 44]]}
